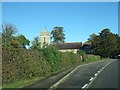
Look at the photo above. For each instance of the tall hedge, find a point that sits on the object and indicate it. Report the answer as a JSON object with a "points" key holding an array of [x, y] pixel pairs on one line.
{"points": [[20, 64]]}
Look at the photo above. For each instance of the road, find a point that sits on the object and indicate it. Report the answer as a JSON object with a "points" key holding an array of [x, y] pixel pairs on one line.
{"points": [[47, 82], [107, 78]]}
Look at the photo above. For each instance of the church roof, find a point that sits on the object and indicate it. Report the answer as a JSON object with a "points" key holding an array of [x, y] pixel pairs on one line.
{"points": [[62, 46]]}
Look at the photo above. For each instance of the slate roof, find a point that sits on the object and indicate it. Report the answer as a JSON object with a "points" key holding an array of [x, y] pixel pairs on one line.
{"points": [[61, 46]]}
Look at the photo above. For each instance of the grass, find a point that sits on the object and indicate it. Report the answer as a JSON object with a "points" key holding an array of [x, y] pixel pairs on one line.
{"points": [[22, 83]]}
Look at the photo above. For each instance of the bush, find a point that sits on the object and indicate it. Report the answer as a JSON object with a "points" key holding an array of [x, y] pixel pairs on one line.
{"points": [[91, 58]]}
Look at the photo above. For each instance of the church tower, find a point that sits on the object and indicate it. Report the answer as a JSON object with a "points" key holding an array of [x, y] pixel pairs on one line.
{"points": [[44, 37]]}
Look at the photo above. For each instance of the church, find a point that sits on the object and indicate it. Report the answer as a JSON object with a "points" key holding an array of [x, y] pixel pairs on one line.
{"points": [[63, 47]]}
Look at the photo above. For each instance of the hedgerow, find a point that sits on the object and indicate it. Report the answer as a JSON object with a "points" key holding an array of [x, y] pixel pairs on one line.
{"points": [[21, 64]]}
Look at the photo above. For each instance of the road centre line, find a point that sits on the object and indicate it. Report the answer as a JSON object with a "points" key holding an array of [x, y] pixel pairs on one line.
{"points": [[98, 74], [91, 78], [84, 86], [95, 74], [61, 80]]}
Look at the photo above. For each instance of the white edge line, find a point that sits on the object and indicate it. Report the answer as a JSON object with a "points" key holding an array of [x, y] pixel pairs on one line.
{"points": [[61, 80]]}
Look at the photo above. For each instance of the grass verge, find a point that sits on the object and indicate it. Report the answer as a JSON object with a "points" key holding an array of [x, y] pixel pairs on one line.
{"points": [[22, 83]]}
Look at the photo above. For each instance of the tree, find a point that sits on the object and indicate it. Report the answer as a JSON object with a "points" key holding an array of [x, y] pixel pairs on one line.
{"points": [[58, 35], [118, 45], [23, 41], [106, 44], [35, 43], [20, 41], [8, 30], [92, 36]]}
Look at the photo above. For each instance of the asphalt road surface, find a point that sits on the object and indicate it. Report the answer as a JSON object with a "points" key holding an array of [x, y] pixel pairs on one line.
{"points": [[108, 78]]}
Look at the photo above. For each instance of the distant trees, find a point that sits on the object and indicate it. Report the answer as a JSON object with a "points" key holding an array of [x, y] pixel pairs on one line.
{"points": [[106, 44], [58, 35]]}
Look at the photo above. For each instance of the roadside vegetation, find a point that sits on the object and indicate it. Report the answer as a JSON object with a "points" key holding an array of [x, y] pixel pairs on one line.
{"points": [[22, 66], [106, 44]]}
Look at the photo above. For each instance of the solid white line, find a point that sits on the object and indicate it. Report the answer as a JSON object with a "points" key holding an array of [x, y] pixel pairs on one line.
{"points": [[63, 79], [84, 86]]}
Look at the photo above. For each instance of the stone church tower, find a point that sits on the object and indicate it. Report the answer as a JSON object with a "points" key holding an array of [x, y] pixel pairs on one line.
{"points": [[44, 38]]}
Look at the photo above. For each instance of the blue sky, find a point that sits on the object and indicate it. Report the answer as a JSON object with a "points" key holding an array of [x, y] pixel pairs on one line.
{"points": [[79, 19]]}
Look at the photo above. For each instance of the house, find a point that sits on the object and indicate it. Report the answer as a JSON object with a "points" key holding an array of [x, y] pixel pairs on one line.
{"points": [[68, 47]]}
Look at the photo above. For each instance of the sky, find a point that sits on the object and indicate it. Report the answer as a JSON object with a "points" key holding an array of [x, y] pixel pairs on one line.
{"points": [[79, 19]]}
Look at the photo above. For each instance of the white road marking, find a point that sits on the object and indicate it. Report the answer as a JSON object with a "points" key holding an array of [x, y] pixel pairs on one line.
{"points": [[63, 79], [96, 74], [103, 68], [84, 86], [91, 79]]}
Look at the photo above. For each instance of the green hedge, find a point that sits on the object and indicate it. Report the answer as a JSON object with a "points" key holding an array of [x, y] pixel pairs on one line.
{"points": [[21, 64]]}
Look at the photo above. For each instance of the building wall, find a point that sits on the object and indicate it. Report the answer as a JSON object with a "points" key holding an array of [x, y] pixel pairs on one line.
{"points": [[44, 38], [69, 50]]}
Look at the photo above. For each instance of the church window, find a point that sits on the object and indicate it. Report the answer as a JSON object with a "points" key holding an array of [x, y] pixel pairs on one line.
{"points": [[44, 39]]}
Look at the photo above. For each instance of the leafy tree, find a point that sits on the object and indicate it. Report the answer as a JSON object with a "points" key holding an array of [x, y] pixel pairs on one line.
{"points": [[106, 44], [8, 30], [35, 43], [58, 35], [23, 41], [92, 36], [20, 41]]}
